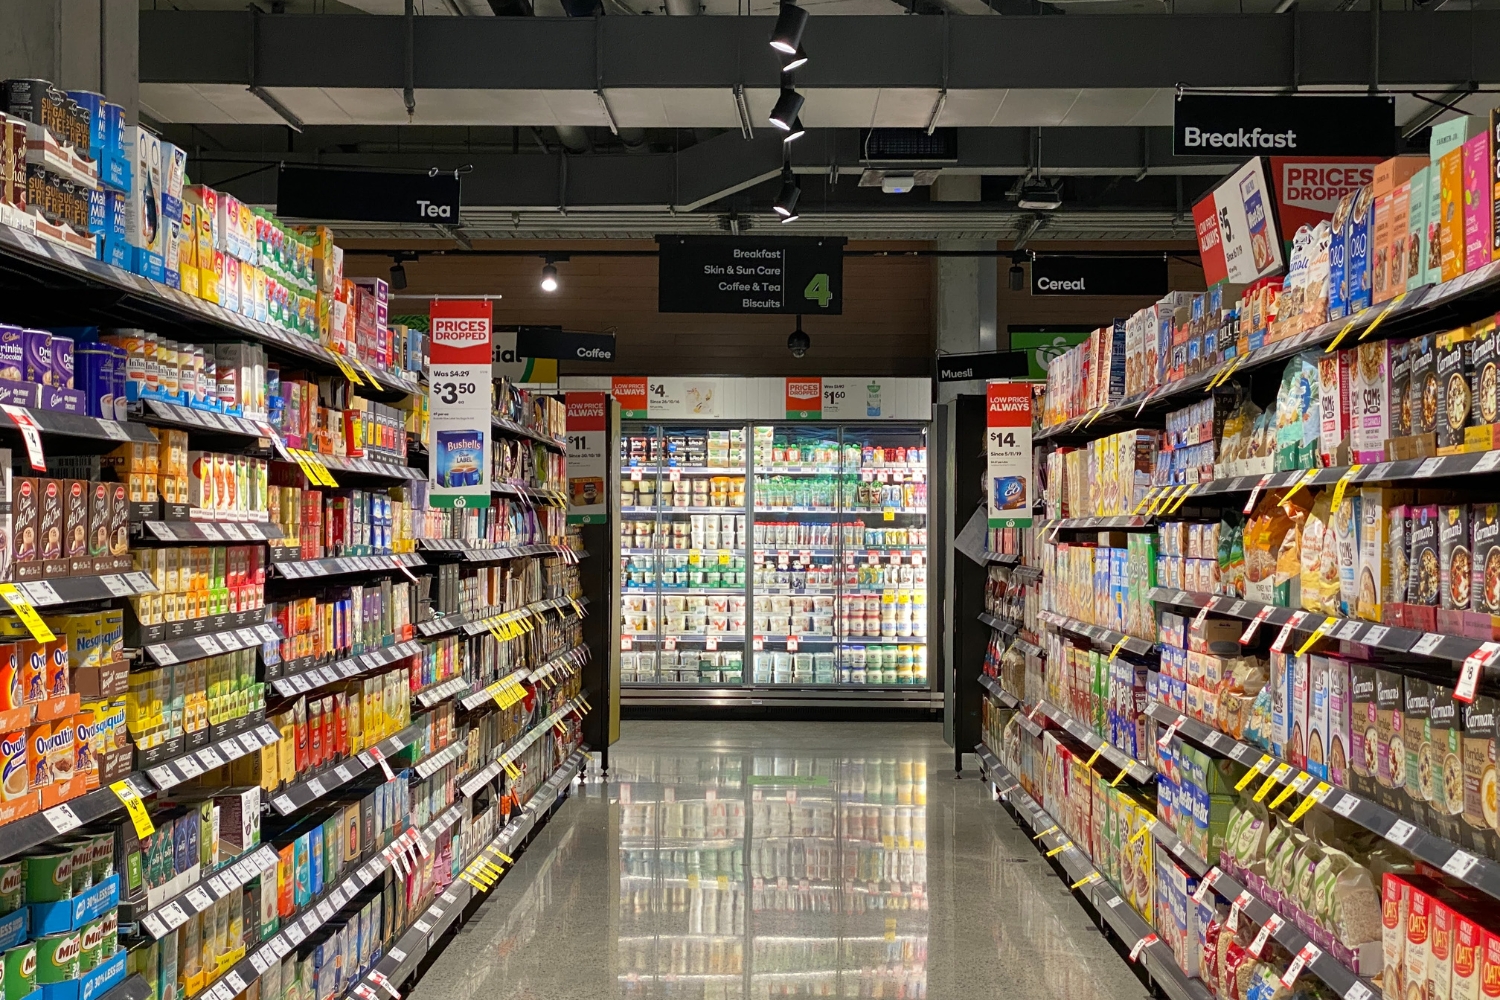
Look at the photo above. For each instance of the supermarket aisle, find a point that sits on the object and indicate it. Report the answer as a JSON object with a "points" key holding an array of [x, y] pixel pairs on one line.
{"points": [[683, 877]]}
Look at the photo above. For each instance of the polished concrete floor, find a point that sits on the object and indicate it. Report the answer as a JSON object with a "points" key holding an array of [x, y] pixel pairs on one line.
{"points": [[754, 860]]}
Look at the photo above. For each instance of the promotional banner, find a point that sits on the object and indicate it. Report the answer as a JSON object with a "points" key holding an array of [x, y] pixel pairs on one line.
{"points": [[804, 399], [588, 436], [851, 399], [1237, 234], [644, 396], [520, 369], [1008, 454], [458, 403], [1219, 124], [1309, 188]]}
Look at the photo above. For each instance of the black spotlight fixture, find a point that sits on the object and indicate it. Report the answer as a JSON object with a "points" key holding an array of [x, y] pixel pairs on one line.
{"points": [[788, 106], [786, 201], [795, 132], [549, 277], [787, 35], [1017, 277], [798, 342], [398, 269], [798, 59]]}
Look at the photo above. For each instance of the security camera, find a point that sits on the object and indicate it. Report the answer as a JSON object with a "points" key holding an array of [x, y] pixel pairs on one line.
{"points": [[798, 343]]}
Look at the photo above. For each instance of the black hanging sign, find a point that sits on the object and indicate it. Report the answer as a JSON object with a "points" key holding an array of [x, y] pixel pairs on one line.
{"points": [[1229, 125], [732, 274], [1065, 275], [367, 196]]}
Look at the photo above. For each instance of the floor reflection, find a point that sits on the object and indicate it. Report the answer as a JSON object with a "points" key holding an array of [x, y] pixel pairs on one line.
{"points": [[757, 876]]}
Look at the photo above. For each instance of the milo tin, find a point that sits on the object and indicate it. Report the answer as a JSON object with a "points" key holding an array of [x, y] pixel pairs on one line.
{"points": [[109, 937], [20, 970], [104, 856], [12, 885], [90, 940], [49, 877], [57, 958], [82, 863]]}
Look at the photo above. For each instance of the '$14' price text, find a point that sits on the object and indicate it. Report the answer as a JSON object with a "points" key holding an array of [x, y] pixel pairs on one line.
{"points": [[452, 391]]}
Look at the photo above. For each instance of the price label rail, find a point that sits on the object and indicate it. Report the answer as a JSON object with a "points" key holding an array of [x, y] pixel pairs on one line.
{"points": [[511, 427], [369, 466], [486, 695], [1390, 638], [1003, 558], [1025, 574], [442, 691], [185, 767], [173, 912], [535, 494], [1001, 625], [159, 411], [1339, 977], [1029, 647], [205, 644], [305, 679], [1136, 770], [1116, 521], [1473, 463], [1088, 882], [72, 589], [210, 531], [31, 831], [138, 635], [1102, 638], [132, 987], [309, 790], [306, 569], [1467, 865], [1001, 695], [534, 608]]}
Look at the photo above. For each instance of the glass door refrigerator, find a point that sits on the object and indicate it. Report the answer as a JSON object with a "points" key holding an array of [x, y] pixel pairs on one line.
{"points": [[839, 556], [776, 558], [682, 554]]}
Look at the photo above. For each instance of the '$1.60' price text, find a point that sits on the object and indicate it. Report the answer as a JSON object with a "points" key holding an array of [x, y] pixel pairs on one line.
{"points": [[449, 392]]}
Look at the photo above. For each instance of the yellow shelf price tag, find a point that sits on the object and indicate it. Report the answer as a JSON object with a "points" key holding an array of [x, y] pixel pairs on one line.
{"points": [[23, 609], [127, 794], [1333, 345], [1118, 646], [1090, 877], [1342, 485], [1186, 492], [1096, 415], [1119, 778], [1059, 848], [503, 856], [1286, 792], [1259, 767], [1093, 757], [1145, 501], [1307, 477], [1318, 633], [1265, 788], [347, 369], [1145, 829], [1381, 318], [1044, 833], [1274, 778], [1319, 792]]}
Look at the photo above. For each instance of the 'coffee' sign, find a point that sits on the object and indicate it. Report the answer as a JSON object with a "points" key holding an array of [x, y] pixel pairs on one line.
{"points": [[1228, 125]]}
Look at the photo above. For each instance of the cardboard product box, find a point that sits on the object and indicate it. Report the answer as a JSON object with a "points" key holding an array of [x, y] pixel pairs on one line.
{"points": [[1364, 736], [1340, 719], [1478, 207], [76, 526], [1376, 566], [1298, 711], [1455, 401], [1445, 737], [1359, 254], [1439, 951], [1317, 716], [1415, 947], [1423, 398], [1451, 248], [50, 526], [143, 221], [1390, 750], [1388, 274], [1416, 739], [1370, 401]]}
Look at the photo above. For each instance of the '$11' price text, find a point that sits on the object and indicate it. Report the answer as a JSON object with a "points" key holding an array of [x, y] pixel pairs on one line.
{"points": [[449, 392]]}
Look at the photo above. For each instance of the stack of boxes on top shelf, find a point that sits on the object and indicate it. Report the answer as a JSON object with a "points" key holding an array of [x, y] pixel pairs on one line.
{"points": [[1417, 220], [62, 171]]}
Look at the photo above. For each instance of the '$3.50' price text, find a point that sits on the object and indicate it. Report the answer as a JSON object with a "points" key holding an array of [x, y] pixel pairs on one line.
{"points": [[449, 392]]}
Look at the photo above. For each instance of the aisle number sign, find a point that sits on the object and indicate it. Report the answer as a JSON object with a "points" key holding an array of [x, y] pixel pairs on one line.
{"points": [[1008, 454], [588, 431], [458, 401]]}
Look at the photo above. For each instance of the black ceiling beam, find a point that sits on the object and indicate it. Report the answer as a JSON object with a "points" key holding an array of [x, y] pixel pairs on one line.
{"points": [[1416, 48]]}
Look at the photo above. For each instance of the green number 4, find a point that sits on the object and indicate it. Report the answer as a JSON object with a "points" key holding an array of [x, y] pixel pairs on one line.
{"points": [[817, 290]]}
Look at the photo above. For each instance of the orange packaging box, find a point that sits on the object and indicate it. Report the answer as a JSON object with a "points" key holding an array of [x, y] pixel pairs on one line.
{"points": [[1388, 176], [1451, 214], [38, 739]]}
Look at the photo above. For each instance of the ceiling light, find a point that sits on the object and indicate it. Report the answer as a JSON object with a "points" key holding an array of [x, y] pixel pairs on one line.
{"points": [[788, 106], [549, 278], [897, 183], [795, 132], [798, 59], [787, 35], [1017, 277], [786, 201], [1040, 196]]}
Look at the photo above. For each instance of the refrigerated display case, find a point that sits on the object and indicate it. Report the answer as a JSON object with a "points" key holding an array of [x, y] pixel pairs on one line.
{"points": [[819, 529]]}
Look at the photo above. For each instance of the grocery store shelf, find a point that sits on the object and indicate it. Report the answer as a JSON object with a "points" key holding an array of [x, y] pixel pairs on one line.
{"points": [[475, 622], [1025, 574], [1029, 647], [212, 531], [1391, 638], [303, 569], [132, 987], [800, 470], [1338, 976], [1002, 625], [377, 467], [478, 552], [159, 412], [699, 470], [441, 692], [762, 696], [72, 589], [682, 510], [196, 647], [298, 678], [137, 635], [91, 292], [519, 430], [188, 766], [309, 790], [1478, 871], [670, 591], [1089, 523], [564, 663], [21, 835], [525, 491], [476, 626], [176, 910], [1127, 925], [1137, 771], [1103, 638]]}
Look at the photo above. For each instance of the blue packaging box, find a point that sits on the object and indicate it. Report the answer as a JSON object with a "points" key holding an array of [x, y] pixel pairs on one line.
{"points": [[71, 914], [105, 975], [63, 400], [114, 166], [147, 264], [15, 928], [315, 860]]}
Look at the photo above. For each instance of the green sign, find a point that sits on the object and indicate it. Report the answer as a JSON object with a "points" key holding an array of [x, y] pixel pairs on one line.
{"points": [[1043, 343]]}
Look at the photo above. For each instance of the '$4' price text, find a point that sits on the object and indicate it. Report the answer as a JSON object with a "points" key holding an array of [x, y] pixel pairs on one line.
{"points": [[449, 392]]}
